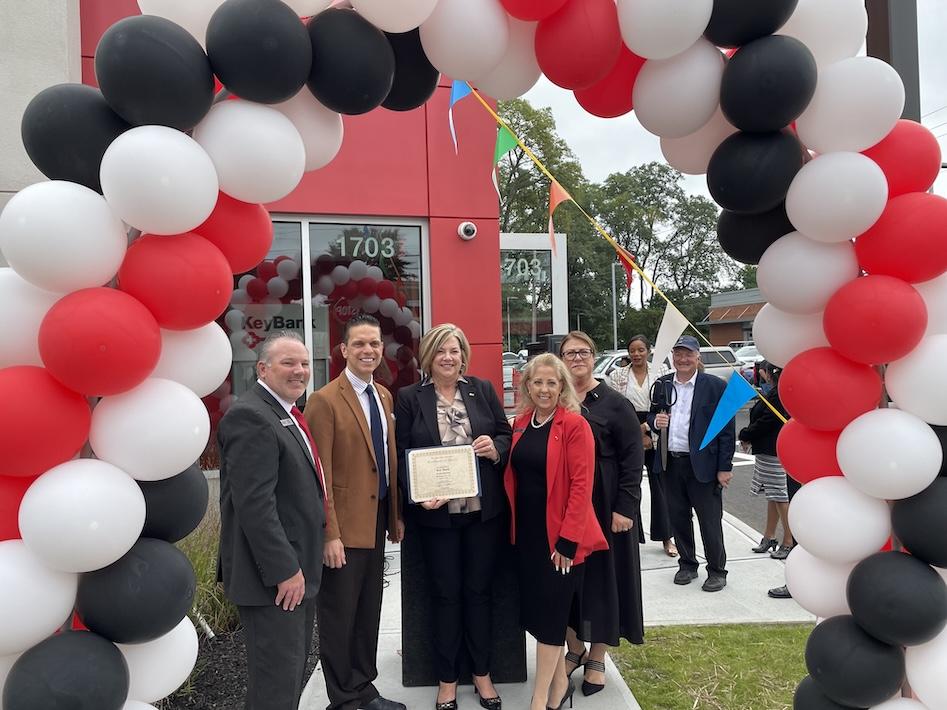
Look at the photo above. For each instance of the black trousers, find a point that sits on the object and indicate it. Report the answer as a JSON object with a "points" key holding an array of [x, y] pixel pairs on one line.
{"points": [[461, 561], [685, 496], [660, 520], [278, 644], [349, 609]]}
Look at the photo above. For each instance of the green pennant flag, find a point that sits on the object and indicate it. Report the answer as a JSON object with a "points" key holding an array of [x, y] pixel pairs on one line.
{"points": [[506, 142]]}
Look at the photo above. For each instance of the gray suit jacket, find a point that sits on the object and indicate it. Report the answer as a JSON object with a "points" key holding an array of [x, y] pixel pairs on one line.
{"points": [[271, 502]]}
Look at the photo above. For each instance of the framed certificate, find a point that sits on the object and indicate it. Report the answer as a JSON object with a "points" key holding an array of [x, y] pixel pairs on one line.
{"points": [[446, 472]]}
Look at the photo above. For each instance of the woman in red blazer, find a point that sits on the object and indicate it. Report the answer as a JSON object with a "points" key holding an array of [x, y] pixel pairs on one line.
{"points": [[548, 481]]}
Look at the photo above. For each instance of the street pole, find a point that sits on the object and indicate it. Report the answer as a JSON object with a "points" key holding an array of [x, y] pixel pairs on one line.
{"points": [[614, 309], [509, 340]]}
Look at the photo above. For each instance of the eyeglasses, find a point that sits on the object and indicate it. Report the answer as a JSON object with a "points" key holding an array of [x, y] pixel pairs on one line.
{"points": [[577, 354]]}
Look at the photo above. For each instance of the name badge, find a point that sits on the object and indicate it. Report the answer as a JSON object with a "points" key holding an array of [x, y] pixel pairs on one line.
{"points": [[287, 422]]}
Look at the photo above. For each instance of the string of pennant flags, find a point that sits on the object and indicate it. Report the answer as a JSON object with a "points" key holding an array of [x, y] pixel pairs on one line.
{"points": [[674, 323]]}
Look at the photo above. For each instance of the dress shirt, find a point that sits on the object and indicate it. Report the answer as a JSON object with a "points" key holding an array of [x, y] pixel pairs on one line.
{"points": [[288, 406], [360, 385], [681, 415]]}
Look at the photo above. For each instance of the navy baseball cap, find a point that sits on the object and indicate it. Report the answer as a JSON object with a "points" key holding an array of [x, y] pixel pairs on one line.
{"points": [[687, 341]]}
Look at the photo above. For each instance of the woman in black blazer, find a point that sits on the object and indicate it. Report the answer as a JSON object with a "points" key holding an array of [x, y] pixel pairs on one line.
{"points": [[459, 538]]}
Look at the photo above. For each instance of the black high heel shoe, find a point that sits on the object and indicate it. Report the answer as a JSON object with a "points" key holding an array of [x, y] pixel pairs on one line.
{"points": [[494, 703], [577, 658], [570, 691], [766, 544], [593, 688]]}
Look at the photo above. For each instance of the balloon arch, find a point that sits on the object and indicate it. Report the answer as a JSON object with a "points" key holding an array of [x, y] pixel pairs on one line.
{"points": [[820, 182]]}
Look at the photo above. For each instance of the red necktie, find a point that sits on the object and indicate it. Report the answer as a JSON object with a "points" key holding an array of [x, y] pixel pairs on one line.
{"points": [[301, 420]]}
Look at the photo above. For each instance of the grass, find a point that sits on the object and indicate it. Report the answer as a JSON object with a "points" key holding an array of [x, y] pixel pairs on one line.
{"points": [[209, 600], [746, 667]]}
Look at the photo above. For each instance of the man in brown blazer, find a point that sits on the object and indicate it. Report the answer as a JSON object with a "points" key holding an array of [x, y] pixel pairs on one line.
{"points": [[351, 418]]}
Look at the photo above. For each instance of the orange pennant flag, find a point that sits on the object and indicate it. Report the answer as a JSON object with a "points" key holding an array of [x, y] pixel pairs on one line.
{"points": [[557, 195], [627, 260]]}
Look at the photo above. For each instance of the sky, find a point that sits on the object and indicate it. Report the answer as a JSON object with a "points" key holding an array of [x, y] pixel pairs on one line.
{"points": [[609, 145]]}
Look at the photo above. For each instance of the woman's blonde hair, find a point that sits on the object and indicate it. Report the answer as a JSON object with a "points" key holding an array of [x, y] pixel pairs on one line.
{"points": [[568, 399], [434, 339]]}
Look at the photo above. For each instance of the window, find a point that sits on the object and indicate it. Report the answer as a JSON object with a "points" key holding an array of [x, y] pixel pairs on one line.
{"points": [[526, 282]]}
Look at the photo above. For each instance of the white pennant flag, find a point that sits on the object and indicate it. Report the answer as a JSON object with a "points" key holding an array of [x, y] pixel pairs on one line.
{"points": [[672, 327]]}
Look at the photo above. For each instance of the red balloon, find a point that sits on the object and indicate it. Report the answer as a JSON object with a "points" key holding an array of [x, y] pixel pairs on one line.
{"points": [[242, 231], [32, 396], [611, 96], [580, 44], [386, 323], [12, 490], [385, 289], [281, 258], [807, 454], [909, 240], [532, 10], [367, 286], [403, 335], [99, 341], [875, 319], [349, 289], [826, 391], [256, 289], [400, 298], [185, 281], [909, 156], [267, 270]]}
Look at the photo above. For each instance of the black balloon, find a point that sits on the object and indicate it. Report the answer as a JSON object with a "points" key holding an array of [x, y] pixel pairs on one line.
{"points": [[353, 65], [415, 76], [745, 237], [733, 23], [751, 172], [808, 696], [898, 598], [921, 525], [851, 667], [174, 506], [140, 597], [941, 432], [768, 83], [66, 130], [151, 71], [74, 670], [259, 49]]}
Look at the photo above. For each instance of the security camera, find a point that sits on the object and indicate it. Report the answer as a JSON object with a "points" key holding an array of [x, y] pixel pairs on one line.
{"points": [[467, 230]]}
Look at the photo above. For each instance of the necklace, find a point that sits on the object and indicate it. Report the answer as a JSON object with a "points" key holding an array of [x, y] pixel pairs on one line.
{"points": [[536, 424]]}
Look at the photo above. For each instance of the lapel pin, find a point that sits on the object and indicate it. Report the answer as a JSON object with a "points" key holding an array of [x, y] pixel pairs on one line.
{"points": [[286, 422]]}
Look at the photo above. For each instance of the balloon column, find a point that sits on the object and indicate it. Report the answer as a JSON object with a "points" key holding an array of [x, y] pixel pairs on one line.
{"points": [[822, 185]]}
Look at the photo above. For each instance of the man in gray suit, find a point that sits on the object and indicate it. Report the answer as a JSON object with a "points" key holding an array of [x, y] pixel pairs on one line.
{"points": [[272, 515]]}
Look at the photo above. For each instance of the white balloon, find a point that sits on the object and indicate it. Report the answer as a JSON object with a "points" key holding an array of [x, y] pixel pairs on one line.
{"points": [[371, 303], [799, 275], [831, 30], [675, 97], [934, 293], [153, 431], [415, 329], [780, 336], [192, 15], [81, 515], [856, 103], [241, 351], [391, 350], [465, 39], [403, 316], [158, 668], [400, 16], [917, 383], [61, 236], [234, 321], [257, 151], [388, 307], [518, 70], [320, 128], [691, 153], [324, 285], [22, 309], [288, 269], [240, 297], [816, 585], [277, 287], [375, 272], [34, 599], [308, 8], [137, 705], [159, 180], [834, 520], [658, 29], [244, 280], [340, 275], [837, 196], [358, 269], [199, 359], [900, 704], [925, 664]]}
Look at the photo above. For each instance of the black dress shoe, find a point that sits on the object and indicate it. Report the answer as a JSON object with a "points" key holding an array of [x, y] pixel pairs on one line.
{"points": [[780, 592], [714, 584], [684, 576], [381, 703]]}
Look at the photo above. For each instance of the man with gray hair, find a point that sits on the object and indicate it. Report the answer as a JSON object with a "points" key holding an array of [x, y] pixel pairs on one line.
{"points": [[272, 515]]}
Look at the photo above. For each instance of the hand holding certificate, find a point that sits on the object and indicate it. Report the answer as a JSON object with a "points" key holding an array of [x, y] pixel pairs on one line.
{"points": [[442, 473]]}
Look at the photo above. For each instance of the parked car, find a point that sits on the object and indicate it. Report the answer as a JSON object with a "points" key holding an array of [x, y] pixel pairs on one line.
{"points": [[720, 361], [737, 344], [511, 362], [749, 358], [607, 361]]}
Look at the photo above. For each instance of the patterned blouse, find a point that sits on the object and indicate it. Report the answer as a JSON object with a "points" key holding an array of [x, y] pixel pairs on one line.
{"points": [[623, 380], [454, 427]]}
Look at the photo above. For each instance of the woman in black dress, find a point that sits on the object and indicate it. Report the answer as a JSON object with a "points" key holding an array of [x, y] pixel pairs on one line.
{"points": [[549, 484], [610, 598]]}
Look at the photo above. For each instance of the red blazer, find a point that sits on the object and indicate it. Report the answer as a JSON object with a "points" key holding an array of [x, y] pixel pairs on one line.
{"points": [[570, 472]]}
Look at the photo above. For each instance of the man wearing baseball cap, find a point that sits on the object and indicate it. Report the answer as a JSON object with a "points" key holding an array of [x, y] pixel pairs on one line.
{"points": [[694, 478]]}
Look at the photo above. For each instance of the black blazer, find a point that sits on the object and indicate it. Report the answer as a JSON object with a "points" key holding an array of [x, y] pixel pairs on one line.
{"points": [[416, 427], [764, 426], [271, 502], [718, 454]]}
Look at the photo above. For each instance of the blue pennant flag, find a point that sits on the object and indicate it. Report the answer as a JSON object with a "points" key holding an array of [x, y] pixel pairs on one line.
{"points": [[738, 393], [458, 90]]}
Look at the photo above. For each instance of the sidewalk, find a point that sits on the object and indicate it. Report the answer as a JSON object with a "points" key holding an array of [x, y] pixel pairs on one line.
{"points": [[744, 600]]}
